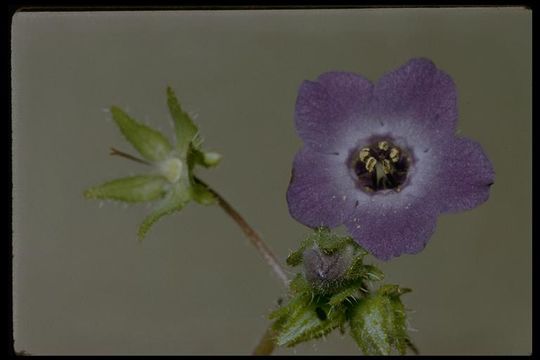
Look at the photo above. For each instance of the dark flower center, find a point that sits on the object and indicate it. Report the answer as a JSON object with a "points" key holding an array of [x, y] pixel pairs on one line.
{"points": [[381, 166]]}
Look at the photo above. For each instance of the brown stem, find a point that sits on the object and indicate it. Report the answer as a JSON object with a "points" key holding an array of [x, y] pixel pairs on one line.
{"points": [[267, 343], [250, 234], [255, 239]]}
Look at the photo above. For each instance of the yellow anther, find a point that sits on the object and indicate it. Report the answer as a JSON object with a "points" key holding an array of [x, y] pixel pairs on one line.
{"points": [[363, 154], [370, 163], [383, 145], [394, 155]]}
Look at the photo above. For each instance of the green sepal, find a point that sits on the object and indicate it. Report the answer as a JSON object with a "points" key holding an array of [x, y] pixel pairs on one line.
{"points": [[175, 200], [299, 285], [327, 241], [150, 143], [131, 189], [358, 270], [392, 290], [349, 294], [184, 127], [295, 258], [202, 195], [373, 273], [307, 321], [378, 322], [284, 310]]}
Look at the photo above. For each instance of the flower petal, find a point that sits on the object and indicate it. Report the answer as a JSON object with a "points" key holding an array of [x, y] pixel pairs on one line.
{"points": [[327, 107], [321, 189], [130, 189], [150, 143], [420, 91], [184, 128], [466, 176], [391, 228]]}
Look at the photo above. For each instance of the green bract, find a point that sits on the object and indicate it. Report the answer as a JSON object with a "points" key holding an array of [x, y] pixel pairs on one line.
{"points": [[170, 180], [332, 292]]}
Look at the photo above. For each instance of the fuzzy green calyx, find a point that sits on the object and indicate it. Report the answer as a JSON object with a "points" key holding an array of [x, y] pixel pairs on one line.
{"points": [[378, 322], [171, 180], [333, 292]]}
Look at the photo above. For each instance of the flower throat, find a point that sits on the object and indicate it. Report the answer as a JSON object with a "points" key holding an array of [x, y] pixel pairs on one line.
{"points": [[381, 166]]}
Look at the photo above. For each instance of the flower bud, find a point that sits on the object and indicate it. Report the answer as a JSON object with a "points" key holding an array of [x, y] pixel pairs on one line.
{"points": [[212, 158], [326, 270]]}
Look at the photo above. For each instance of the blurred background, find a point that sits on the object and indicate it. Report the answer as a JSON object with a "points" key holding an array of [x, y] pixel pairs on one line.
{"points": [[83, 284]]}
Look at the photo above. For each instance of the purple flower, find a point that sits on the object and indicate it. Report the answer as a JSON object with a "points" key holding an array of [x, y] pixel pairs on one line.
{"points": [[383, 159]]}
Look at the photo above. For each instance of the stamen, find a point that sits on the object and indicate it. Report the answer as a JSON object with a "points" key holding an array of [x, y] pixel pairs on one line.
{"points": [[394, 155], [383, 145], [363, 154], [381, 166], [370, 164]]}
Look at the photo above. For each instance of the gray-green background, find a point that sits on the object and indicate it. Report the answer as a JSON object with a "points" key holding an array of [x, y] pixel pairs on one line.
{"points": [[84, 285]]}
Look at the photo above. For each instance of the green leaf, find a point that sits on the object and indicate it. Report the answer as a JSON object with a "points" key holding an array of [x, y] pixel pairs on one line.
{"points": [[150, 143], [378, 323], [184, 128], [130, 189], [175, 200]]}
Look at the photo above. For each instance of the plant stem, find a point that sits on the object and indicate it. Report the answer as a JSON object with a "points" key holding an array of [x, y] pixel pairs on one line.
{"points": [[250, 234], [266, 344]]}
